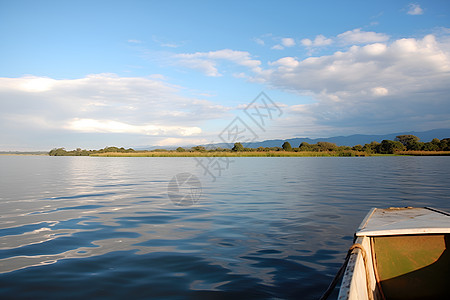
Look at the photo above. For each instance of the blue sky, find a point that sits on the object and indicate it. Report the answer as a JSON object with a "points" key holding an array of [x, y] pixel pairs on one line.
{"points": [[91, 74]]}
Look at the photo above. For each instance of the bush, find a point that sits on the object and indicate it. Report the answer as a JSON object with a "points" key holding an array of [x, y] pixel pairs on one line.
{"points": [[238, 147], [287, 146]]}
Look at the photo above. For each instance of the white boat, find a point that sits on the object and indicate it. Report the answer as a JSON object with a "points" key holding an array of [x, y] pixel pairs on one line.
{"points": [[399, 253]]}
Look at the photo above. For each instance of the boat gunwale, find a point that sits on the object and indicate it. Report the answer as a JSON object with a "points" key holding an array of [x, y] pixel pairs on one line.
{"points": [[362, 231]]}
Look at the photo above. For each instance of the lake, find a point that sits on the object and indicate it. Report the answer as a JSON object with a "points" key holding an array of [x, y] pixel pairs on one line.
{"points": [[262, 228]]}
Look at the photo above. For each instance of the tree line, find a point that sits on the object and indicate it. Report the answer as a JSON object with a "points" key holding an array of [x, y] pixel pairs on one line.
{"points": [[83, 152], [400, 143]]}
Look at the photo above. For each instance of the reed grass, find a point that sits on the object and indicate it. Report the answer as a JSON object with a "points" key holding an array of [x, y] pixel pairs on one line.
{"points": [[231, 154], [424, 153]]}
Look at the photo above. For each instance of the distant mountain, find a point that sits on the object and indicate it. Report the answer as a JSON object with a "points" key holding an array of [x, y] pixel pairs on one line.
{"points": [[351, 140]]}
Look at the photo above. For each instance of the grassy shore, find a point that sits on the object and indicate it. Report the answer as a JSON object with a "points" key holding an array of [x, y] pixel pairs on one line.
{"points": [[424, 153], [231, 154], [266, 154]]}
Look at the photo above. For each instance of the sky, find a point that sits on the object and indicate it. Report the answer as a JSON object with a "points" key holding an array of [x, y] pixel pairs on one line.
{"points": [[92, 74]]}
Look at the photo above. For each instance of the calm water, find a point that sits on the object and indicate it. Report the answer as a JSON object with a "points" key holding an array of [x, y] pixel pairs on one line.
{"points": [[267, 228]]}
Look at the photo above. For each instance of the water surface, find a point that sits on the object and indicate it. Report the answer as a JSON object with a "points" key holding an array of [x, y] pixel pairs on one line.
{"points": [[267, 228]]}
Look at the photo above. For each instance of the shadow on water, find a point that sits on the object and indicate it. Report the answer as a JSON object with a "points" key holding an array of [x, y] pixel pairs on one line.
{"points": [[118, 275]]}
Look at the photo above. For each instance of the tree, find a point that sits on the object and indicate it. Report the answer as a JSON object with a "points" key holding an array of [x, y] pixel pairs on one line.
{"points": [[372, 147], [326, 146], [199, 148], [181, 149], [444, 144], [390, 147], [304, 146], [287, 146], [111, 149], [415, 146], [435, 141], [58, 152], [238, 147], [430, 146], [407, 139], [357, 148]]}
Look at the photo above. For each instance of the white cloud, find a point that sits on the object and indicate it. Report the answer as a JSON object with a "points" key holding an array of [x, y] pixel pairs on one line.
{"points": [[37, 84], [277, 47], [408, 59], [206, 66], [288, 62], [288, 42], [207, 61], [99, 105], [414, 9], [259, 41], [379, 91], [170, 45], [109, 126], [240, 75], [306, 42], [372, 84], [351, 37], [135, 41], [357, 36], [319, 41]]}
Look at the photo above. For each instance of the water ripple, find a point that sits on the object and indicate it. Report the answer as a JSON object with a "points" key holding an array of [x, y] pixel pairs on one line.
{"points": [[80, 227]]}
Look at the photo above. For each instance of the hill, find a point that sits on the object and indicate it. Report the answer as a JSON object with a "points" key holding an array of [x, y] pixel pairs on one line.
{"points": [[351, 140]]}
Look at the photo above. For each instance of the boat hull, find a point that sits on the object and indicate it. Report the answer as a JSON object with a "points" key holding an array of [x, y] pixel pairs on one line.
{"points": [[401, 253]]}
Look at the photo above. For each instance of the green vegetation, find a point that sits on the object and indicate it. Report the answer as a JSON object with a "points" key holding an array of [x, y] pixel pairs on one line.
{"points": [[220, 154], [79, 152], [287, 146], [238, 147], [402, 145]]}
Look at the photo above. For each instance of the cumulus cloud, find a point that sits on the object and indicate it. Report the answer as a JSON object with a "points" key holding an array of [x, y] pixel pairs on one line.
{"points": [[207, 61], [374, 81], [402, 81], [348, 38], [414, 9], [357, 36], [288, 42], [97, 104], [277, 47], [319, 41], [285, 62], [379, 91], [109, 126]]}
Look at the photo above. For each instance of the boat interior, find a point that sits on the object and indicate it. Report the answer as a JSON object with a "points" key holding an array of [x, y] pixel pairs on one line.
{"points": [[412, 266]]}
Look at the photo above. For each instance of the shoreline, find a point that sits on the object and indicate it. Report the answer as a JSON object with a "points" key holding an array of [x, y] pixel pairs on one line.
{"points": [[268, 154], [24, 154], [245, 154]]}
